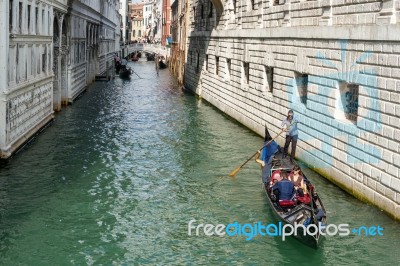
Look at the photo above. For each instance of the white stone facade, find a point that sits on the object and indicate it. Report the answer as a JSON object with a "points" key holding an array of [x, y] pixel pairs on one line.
{"points": [[54, 50], [123, 11], [147, 17], [336, 63], [157, 20]]}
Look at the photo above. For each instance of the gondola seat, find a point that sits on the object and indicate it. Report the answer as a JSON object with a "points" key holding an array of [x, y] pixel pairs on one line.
{"points": [[305, 199], [287, 203]]}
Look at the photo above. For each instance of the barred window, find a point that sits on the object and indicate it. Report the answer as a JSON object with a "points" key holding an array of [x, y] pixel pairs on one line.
{"points": [[347, 102], [350, 101]]}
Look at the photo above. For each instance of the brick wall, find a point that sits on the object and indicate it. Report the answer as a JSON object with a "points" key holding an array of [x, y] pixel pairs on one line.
{"points": [[352, 71]]}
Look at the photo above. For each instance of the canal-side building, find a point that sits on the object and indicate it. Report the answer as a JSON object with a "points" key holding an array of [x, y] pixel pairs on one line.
{"points": [[123, 11], [147, 18], [157, 20], [179, 32], [136, 18], [335, 63], [166, 21], [52, 51]]}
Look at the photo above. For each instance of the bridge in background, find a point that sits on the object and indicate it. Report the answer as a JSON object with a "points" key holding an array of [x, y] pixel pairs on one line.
{"points": [[145, 47]]}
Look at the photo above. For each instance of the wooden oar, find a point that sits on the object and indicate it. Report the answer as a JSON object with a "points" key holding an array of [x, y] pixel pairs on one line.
{"points": [[234, 172]]}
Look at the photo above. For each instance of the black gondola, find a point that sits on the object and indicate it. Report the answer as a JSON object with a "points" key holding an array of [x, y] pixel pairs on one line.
{"points": [[117, 67], [150, 57], [162, 64], [125, 73], [307, 210]]}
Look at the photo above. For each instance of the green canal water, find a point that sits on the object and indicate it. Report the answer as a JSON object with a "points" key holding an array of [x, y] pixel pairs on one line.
{"points": [[118, 175]]}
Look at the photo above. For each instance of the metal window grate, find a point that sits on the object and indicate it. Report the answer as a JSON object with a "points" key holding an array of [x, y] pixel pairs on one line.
{"points": [[351, 97]]}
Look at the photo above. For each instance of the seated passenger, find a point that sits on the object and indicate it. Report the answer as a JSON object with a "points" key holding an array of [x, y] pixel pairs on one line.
{"points": [[285, 187], [275, 177], [296, 176]]}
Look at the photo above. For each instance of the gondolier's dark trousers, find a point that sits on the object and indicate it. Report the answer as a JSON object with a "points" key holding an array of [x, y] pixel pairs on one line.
{"points": [[289, 139]]}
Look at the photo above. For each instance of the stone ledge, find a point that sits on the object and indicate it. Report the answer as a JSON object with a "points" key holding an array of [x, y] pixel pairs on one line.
{"points": [[348, 32]]}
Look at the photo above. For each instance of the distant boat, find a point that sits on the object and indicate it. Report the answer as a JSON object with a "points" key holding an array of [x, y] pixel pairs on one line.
{"points": [[150, 57], [135, 58], [162, 64], [125, 73]]}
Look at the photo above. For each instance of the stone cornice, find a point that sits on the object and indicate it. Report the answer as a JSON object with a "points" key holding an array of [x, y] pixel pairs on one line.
{"points": [[18, 88], [81, 10], [353, 32], [30, 39]]}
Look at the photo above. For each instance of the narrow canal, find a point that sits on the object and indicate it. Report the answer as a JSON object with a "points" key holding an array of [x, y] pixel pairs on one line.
{"points": [[118, 176]]}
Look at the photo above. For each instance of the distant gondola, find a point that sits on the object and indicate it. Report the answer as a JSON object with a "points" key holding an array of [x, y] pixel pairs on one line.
{"points": [[150, 57], [162, 64], [125, 73]]}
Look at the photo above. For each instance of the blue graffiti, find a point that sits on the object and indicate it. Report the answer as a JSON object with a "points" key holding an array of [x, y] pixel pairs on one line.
{"points": [[319, 122]]}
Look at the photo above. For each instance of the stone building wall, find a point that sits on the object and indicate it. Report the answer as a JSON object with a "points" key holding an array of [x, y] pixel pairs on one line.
{"points": [[46, 47], [335, 63]]}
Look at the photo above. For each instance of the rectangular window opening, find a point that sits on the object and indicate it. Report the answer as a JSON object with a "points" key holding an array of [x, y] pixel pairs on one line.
{"points": [[228, 68], [302, 86], [29, 18], [198, 63], [348, 102], [252, 4], [216, 65], [36, 20], [269, 78], [20, 17], [44, 61], [246, 69], [43, 23], [11, 15]]}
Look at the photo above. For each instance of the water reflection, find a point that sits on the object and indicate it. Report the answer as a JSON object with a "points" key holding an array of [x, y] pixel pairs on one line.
{"points": [[119, 174]]}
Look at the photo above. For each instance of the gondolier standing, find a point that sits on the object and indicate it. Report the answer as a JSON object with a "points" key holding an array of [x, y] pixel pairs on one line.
{"points": [[157, 63], [290, 126]]}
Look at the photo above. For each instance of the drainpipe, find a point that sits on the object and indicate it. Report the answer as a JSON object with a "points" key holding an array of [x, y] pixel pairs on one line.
{"points": [[4, 40]]}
